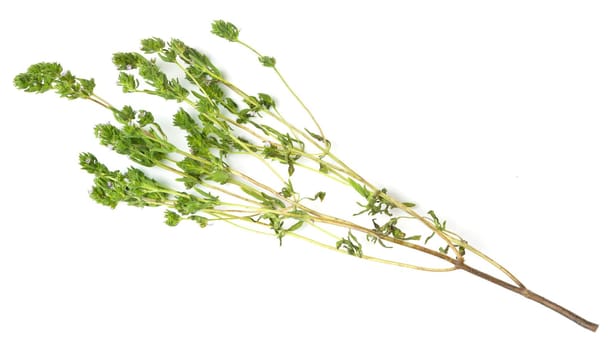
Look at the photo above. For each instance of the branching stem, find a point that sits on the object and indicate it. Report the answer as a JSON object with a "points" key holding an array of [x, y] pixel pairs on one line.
{"points": [[226, 128]]}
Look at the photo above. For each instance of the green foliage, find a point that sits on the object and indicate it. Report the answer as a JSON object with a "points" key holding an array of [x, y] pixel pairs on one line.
{"points": [[128, 82], [390, 228], [125, 115], [71, 87], [172, 218], [319, 195], [225, 30], [192, 167], [132, 141], [201, 220], [351, 245], [150, 72], [320, 138], [287, 191], [376, 201], [199, 64], [190, 204], [90, 164], [220, 175], [44, 76], [362, 190], [296, 226], [267, 61], [39, 77], [145, 118], [429, 237], [132, 187], [152, 45], [266, 101], [184, 121], [441, 226], [127, 60]]}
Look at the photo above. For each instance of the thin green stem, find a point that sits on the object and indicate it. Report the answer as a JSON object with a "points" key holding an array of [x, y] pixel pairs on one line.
{"points": [[338, 179], [325, 231], [289, 88], [249, 229], [98, 101], [372, 258]]}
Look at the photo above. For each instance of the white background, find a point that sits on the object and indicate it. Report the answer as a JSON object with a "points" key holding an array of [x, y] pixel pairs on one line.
{"points": [[499, 115]]}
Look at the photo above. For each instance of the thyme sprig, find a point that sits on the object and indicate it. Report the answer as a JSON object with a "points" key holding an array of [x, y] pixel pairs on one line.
{"points": [[222, 123]]}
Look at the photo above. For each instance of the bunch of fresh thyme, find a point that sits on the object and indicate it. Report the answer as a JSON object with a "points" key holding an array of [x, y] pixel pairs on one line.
{"points": [[223, 123]]}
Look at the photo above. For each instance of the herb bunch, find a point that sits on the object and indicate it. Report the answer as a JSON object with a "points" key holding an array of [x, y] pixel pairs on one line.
{"points": [[223, 124]]}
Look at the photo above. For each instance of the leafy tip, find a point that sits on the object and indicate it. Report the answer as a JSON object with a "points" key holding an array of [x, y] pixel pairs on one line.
{"points": [[225, 30]]}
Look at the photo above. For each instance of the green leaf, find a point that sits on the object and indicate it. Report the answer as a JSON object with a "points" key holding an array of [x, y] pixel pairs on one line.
{"points": [[192, 167], [39, 77], [71, 87], [202, 63], [190, 204], [296, 226], [220, 176], [145, 118], [267, 61], [178, 47], [90, 164], [397, 233], [319, 195], [323, 168], [167, 55], [351, 245], [408, 204], [362, 190], [287, 191], [125, 115], [441, 226], [172, 218], [152, 45], [271, 202], [127, 82], [225, 30], [319, 138], [184, 121], [429, 237], [252, 192], [208, 196], [266, 101], [373, 239], [189, 182], [201, 220], [412, 238], [109, 135], [127, 60]]}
